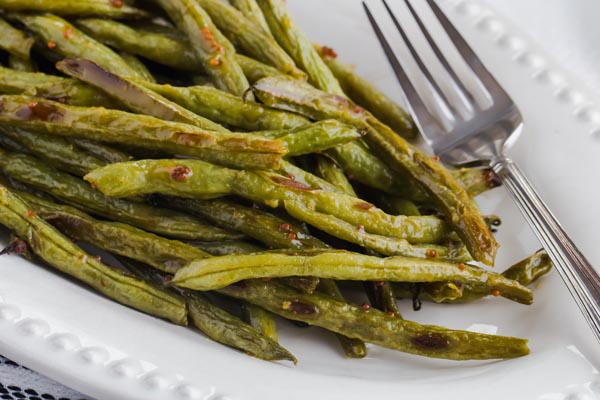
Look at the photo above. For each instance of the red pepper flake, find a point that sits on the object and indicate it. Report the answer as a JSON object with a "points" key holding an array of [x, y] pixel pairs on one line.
{"points": [[462, 266], [93, 185], [98, 258], [215, 62], [379, 283], [436, 158], [117, 3], [32, 104], [366, 306], [285, 228], [390, 314], [431, 253], [328, 52], [360, 228], [51, 45], [180, 173], [358, 110], [62, 100], [495, 292], [292, 236], [68, 32], [30, 213], [167, 279]]}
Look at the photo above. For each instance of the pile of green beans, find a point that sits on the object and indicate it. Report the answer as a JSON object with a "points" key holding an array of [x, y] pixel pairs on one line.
{"points": [[214, 150]]}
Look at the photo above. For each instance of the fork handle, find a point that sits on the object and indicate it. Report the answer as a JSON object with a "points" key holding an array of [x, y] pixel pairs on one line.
{"points": [[581, 278]]}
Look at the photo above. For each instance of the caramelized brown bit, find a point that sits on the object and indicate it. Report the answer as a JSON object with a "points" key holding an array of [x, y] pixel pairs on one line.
{"points": [[285, 228], [363, 205], [292, 236], [491, 178], [360, 228], [117, 3], [302, 308], [180, 173], [431, 341], [17, 247], [280, 180]]}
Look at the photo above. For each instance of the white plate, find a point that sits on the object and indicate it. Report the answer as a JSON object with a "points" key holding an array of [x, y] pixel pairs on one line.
{"points": [[65, 331]]}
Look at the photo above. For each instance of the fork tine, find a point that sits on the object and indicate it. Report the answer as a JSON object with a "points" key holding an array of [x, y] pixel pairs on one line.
{"points": [[467, 53], [438, 52], [416, 105], [418, 59]]}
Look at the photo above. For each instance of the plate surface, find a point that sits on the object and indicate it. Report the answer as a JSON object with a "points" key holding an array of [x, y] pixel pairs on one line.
{"points": [[108, 351]]}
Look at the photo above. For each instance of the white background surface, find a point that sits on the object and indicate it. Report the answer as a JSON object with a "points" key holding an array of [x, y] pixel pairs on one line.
{"points": [[568, 31]]}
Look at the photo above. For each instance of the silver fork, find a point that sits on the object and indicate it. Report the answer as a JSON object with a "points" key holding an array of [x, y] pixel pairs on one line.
{"points": [[482, 138]]}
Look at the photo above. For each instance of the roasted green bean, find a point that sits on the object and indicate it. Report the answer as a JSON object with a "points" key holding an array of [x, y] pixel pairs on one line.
{"points": [[228, 109], [74, 191], [298, 46], [214, 51], [114, 237], [60, 252], [14, 41], [217, 272], [425, 171], [253, 12], [21, 64], [80, 8], [134, 95], [249, 38], [136, 64], [63, 38], [368, 96], [374, 326], [260, 319], [139, 130]]}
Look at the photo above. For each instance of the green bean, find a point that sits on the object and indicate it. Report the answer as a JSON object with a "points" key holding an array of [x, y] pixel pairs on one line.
{"points": [[206, 180], [14, 41], [299, 175], [255, 70], [314, 138], [58, 151], [260, 319], [332, 173], [215, 322], [232, 331], [21, 64], [389, 246], [525, 272], [375, 327], [58, 251], [382, 297], [80, 8], [136, 64], [171, 50], [134, 95], [249, 38], [12, 145], [438, 292], [214, 51], [53, 87], [114, 237], [106, 153], [223, 248], [363, 93], [427, 173], [477, 180], [217, 272], [253, 12], [298, 46], [353, 348], [76, 192], [63, 38], [227, 109], [398, 206], [114, 126], [266, 228]]}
